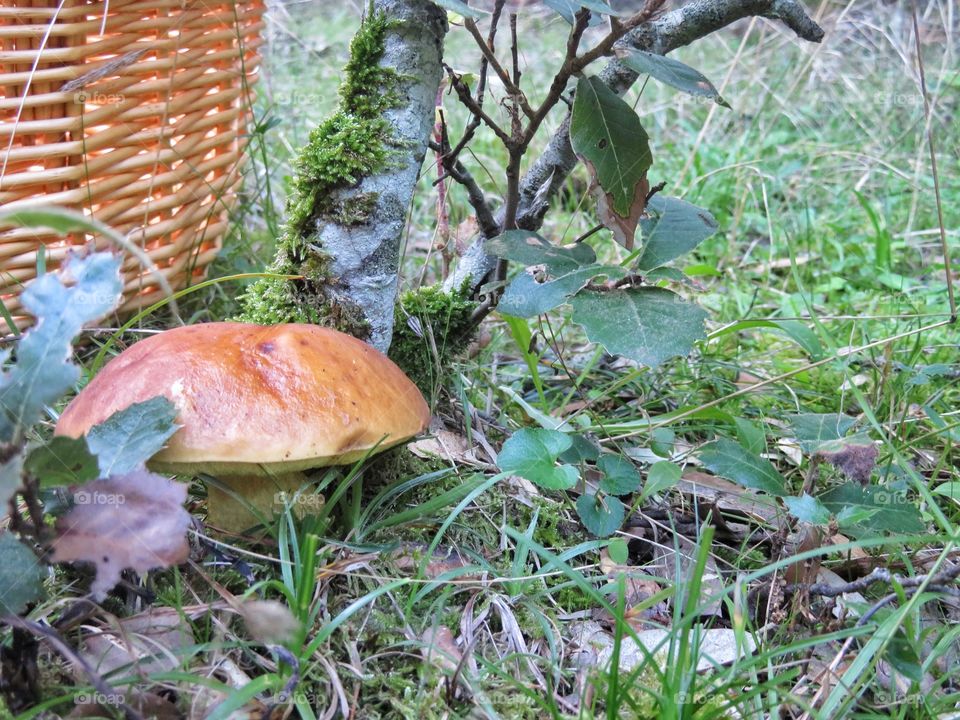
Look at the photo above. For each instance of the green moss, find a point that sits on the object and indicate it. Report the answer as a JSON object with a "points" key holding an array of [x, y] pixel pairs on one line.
{"points": [[352, 143], [425, 319]]}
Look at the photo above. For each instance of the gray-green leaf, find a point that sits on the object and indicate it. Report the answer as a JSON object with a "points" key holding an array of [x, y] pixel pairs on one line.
{"points": [[43, 371], [648, 325], [672, 72], [607, 135], [731, 460], [567, 9], [581, 449], [807, 509], [460, 8], [532, 454], [529, 248], [21, 575], [815, 429], [128, 438], [661, 476], [674, 228], [876, 509]]}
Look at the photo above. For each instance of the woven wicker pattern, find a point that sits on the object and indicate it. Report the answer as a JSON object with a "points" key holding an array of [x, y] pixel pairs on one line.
{"points": [[136, 118]]}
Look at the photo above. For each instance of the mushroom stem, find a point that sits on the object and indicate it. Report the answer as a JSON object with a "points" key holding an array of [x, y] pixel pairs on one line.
{"points": [[231, 502]]}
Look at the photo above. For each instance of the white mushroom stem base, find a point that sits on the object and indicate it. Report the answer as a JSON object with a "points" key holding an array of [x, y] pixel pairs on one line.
{"points": [[239, 502]]}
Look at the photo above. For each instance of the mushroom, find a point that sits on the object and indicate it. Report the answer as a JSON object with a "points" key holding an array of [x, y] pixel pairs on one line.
{"points": [[257, 406]]}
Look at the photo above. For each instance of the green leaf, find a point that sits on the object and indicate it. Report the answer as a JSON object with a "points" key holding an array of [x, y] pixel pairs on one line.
{"points": [[815, 429], [620, 476], [525, 297], [731, 460], [21, 575], [873, 509], [567, 9], [674, 228], [607, 135], [529, 248], [619, 551], [751, 435], [581, 449], [601, 516], [569, 269], [807, 509], [533, 453], [128, 438], [43, 370], [460, 8], [648, 325], [62, 461], [904, 658], [671, 72], [661, 476], [58, 219], [11, 478], [662, 440]]}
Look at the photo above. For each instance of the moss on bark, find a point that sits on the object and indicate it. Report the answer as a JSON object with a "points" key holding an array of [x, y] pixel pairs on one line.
{"points": [[352, 143]]}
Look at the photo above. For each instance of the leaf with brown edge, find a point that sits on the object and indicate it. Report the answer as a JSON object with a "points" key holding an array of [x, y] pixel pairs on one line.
{"points": [[607, 135], [135, 521]]}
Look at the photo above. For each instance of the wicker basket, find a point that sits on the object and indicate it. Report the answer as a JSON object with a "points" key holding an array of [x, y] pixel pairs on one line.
{"points": [[136, 119]]}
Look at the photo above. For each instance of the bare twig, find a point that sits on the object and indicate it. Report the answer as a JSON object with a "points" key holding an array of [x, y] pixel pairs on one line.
{"points": [[489, 227], [72, 656], [463, 93], [877, 576], [474, 122]]}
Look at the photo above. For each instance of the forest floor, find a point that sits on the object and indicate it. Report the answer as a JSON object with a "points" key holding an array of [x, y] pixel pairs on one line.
{"points": [[460, 596]]}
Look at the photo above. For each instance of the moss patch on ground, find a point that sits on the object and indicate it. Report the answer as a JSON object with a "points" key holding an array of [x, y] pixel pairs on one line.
{"points": [[430, 328]]}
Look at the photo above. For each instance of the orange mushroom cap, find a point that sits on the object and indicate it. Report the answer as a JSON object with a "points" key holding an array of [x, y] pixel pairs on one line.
{"points": [[258, 399]]}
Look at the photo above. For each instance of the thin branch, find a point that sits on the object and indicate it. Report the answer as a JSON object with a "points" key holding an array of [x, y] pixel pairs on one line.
{"points": [[489, 227], [662, 35], [463, 92], [60, 645], [474, 122], [513, 88], [879, 575]]}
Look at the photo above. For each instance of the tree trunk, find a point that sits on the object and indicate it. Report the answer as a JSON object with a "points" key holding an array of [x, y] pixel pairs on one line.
{"points": [[355, 180], [365, 258]]}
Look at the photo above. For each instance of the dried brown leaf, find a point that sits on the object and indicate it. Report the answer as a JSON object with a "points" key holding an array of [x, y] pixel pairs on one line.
{"points": [[134, 521], [624, 228], [269, 622], [729, 497], [150, 642], [440, 648], [409, 557], [675, 557], [854, 457]]}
